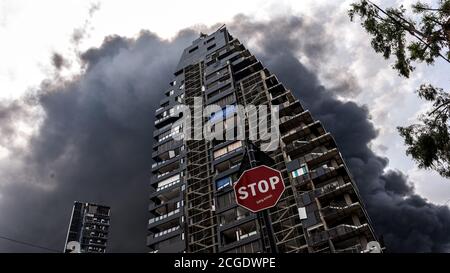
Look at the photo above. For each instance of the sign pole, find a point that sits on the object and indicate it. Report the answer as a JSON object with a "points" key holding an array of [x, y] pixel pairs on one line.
{"points": [[262, 214]]}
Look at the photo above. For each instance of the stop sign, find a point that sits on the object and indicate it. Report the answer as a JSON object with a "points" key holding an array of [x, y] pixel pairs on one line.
{"points": [[259, 188]]}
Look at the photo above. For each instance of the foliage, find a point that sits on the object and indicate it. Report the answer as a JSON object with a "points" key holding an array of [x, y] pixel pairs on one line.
{"points": [[429, 141], [390, 27], [423, 36]]}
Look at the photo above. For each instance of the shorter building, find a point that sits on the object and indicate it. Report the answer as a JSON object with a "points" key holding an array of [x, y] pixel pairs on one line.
{"points": [[88, 229]]}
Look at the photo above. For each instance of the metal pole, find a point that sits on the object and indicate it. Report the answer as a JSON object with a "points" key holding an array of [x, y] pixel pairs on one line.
{"points": [[264, 215], [270, 231]]}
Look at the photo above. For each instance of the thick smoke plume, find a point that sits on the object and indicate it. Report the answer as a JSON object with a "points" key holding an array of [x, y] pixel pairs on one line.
{"points": [[94, 140]]}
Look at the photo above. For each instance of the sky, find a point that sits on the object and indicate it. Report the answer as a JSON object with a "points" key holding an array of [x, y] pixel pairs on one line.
{"points": [[78, 81]]}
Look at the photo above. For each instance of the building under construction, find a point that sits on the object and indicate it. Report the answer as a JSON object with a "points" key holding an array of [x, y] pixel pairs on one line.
{"points": [[192, 204]]}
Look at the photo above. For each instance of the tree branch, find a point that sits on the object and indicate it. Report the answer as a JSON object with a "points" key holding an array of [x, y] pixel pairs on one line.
{"points": [[411, 29], [429, 9], [439, 107]]}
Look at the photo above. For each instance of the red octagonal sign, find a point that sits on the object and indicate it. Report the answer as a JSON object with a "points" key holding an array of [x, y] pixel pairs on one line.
{"points": [[259, 188]]}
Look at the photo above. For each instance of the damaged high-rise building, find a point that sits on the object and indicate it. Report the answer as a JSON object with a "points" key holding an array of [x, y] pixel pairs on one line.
{"points": [[192, 203]]}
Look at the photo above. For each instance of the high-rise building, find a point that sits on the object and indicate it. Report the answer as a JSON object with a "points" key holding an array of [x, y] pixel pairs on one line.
{"points": [[88, 229], [192, 204]]}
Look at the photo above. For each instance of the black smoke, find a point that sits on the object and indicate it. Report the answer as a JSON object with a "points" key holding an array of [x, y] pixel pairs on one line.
{"points": [[58, 61], [82, 32], [94, 142], [407, 221]]}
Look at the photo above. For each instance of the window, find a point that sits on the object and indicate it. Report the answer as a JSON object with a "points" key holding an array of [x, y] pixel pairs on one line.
{"points": [[179, 98], [225, 113], [220, 90], [217, 73], [225, 200], [174, 131], [177, 129], [232, 147], [220, 152], [164, 136], [213, 61], [211, 46], [230, 123], [301, 171], [228, 100], [223, 182], [193, 49]]}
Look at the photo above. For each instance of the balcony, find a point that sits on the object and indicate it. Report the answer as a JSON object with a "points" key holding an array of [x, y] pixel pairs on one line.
{"points": [[318, 175], [337, 233], [230, 52], [165, 99], [291, 127], [95, 244], [166, 232], [228, 155], [158, 219], [159, 164], [238, 235], [218, 85], [214, 65], [212, 98], [301, 180], [243, 62], [227, 167], [219, 81], [92, 222], [161, 130], [95, 235], [333, 189], [168, 185], [353, 249], [248, 70], [314, 159], [234, 217], [325, 172], [168, 167], [341, 209], [295, 150], [163, 108], [160, 177], [165, 201], [223, 91], [290, 108], [216, 75], [163, 151], [169, 136], [271, 81], [96, 228], [166, 196], [161, 122], [276, 92], [151, 240]]}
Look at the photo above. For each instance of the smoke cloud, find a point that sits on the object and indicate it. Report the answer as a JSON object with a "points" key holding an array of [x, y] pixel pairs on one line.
{"points": [[94, 141], [406, 221]]}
